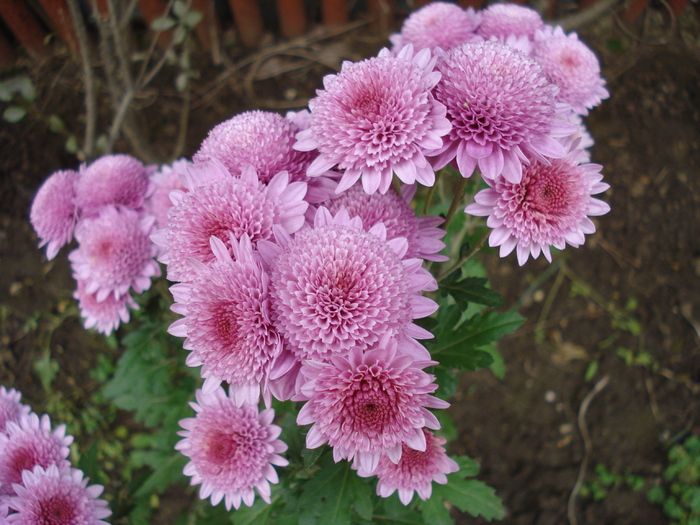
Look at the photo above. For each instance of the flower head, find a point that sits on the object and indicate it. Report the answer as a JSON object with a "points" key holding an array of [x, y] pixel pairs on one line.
{"points": [[501, 106], [368, 404], [115, 253], [164, 181], [438, 24], [112, 179], [10, 407], [53, 496], [548, 207], [337, 287], [398, 217], [375, 118], [29, 443], [106, 315], [572, 67], [53, 211], [220, 206], [231, 449], [260, 138], [502, 20], [415, 471], [227, 322]]}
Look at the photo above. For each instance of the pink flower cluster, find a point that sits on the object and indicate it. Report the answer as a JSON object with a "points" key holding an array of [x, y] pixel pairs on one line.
{"points": [[37, 483], [111, 207], [514, 89], [290, 290]]}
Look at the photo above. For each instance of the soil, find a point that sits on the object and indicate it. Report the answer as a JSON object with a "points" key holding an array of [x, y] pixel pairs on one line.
{"points": [[627, 302]]}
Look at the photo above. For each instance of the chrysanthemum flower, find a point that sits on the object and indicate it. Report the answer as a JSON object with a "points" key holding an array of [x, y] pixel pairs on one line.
{"points": [[227, 322], [368, 404], [337, 287], [10, 407], [548, 207], [112, 179], [260, 138], [398, 217], [438, 24], [54, 496], [501, 106], [502, 20], [115, 253], [571, 66], [375, 118], [29, 443], [53, 211], [415, 471], [104, 316], [163, 182], [220, 205], [231, 449]]}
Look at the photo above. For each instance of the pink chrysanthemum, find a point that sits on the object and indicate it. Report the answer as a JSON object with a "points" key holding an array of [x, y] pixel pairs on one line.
{"points": [[219, 205], [104, 316], [337, 287], [53, 211], [375, 118], [231, 449], [415, 471], [29, 443], [227, 322], [368, 404], [396, 214], [163, 182], [112, 179], [501, 106], [55, 496], [502, 20], [438, 24], [115, 253], [579, 143], [571, 66], [549, 207], [10, 407], [260, 138]]}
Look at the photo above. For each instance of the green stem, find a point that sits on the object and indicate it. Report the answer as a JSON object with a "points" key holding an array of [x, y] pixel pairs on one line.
{"points": [[471, 253], [456, 201], [431, 192]]}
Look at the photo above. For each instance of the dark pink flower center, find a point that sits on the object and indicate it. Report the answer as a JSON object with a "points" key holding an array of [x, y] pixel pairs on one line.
{"points": [[220, 447], [57, 511]]}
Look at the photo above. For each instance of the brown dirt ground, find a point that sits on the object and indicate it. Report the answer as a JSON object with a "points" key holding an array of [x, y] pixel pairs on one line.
{"points": [[523, 428]]}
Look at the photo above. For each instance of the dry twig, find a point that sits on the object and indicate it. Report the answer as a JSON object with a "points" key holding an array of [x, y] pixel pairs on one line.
{"points": [[587, 446]]}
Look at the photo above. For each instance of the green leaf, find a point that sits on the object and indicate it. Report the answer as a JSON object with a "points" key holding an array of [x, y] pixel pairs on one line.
{"points": [[181, 81], [470, 495], [258, 514], [179, 35], [163, 23], [362, 496], [180, 8], [47, 369], [470, 290], [162, 477], [14, 114], [192, 18], [56, 123], [459, 347], [329, 496], [5, 93], [498, 367], [147, 381], [71, 144], [311, 455], [435, 512]]}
